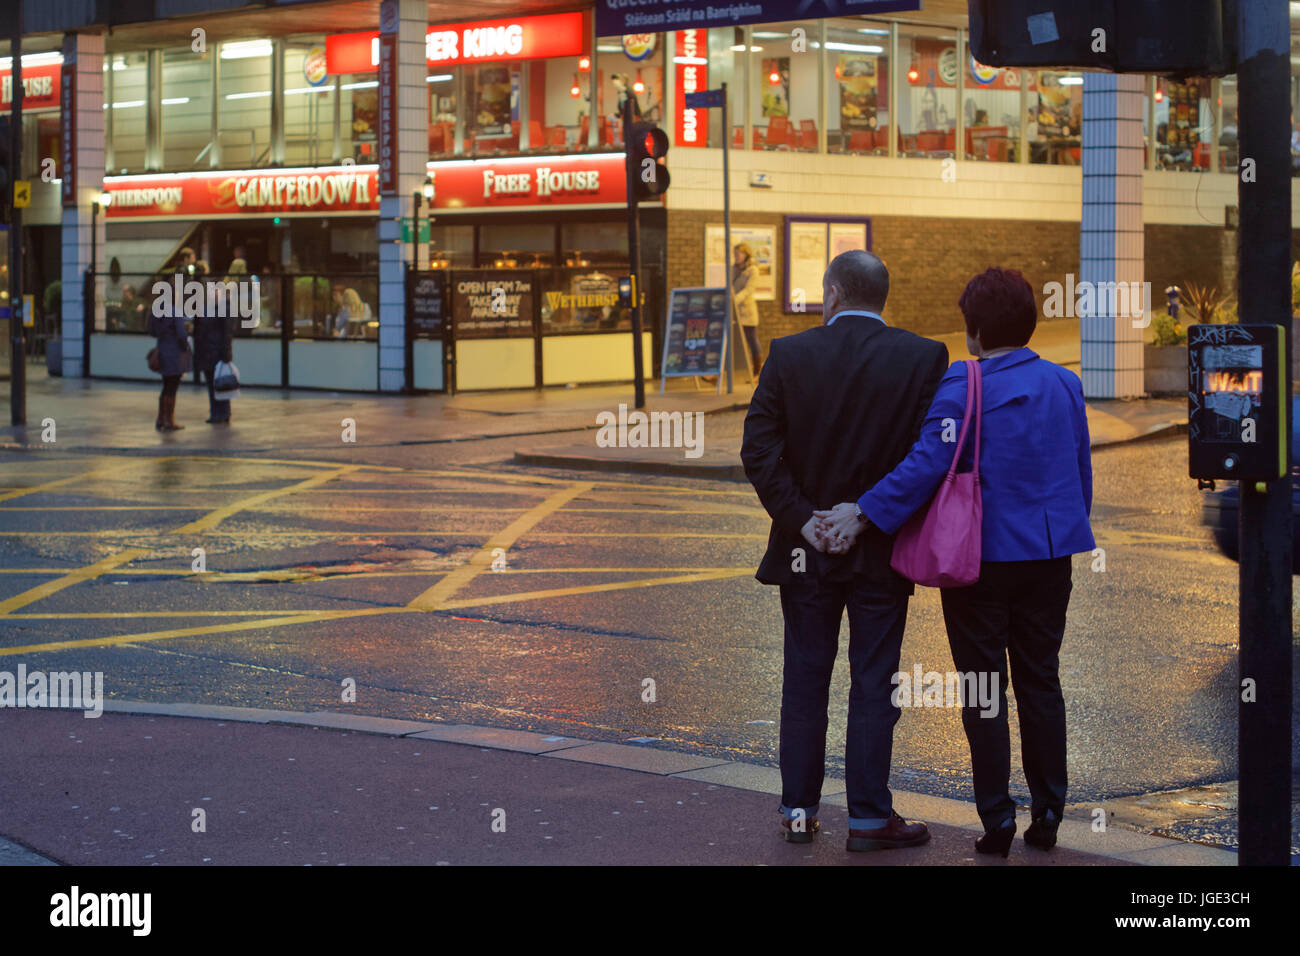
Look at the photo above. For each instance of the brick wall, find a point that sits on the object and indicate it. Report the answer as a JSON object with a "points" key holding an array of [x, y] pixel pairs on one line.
{"points": [[931, 260]]}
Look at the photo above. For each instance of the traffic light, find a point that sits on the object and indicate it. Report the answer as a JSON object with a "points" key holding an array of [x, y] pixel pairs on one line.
{"points": [[1178, 37], [649, 146]]}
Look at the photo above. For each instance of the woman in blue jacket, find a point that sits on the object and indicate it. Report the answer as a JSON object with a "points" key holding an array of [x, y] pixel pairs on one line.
{"points": [[1036, 484]]}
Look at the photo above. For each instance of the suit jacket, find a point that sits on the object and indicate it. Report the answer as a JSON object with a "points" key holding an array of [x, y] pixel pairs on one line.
{"points": [[1035, 460], [836, 407]]}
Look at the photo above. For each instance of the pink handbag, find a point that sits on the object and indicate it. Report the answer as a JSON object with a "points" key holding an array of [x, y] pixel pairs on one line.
{"points": [[939, 546]]}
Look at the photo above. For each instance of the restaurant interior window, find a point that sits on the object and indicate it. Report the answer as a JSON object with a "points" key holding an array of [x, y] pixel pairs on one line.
{"points": [[558, 104], [784, 71], [186, 108], [857, 87], [1056, 118], [451, 247], [530, 246], [991, 108], [245, 132], [581, 294], [927, 92], [726, 64], [359, 116], [627, 66], [441, 81], [308, 104], [1183, 124], [1228, 125], [128, 111], [492, 101]]}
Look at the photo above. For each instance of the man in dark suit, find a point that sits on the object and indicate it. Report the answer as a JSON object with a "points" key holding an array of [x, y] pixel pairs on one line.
{"points": [[835, 409]]}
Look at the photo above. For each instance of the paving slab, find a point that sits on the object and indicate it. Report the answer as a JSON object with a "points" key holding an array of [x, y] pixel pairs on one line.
{"points": [[626, 757], [750, 776], [497, 738], [254, 715], [358, 722]]}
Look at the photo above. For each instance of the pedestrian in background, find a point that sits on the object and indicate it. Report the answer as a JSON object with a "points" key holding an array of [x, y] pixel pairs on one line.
{"points": [[213, 343], [174, 360], [744, 278]]}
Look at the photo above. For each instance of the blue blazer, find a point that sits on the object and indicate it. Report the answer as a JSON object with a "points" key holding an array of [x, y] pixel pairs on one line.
{"points": [[1035, 461]]}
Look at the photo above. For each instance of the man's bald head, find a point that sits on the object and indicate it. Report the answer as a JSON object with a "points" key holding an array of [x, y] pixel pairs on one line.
{"points": [[861, 280]]}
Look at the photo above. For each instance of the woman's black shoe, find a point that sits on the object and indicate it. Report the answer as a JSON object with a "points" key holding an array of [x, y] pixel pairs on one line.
{"points": [[1042, 832], [999, 840]]}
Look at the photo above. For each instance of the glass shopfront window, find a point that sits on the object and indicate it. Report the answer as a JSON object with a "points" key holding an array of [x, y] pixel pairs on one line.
{"points": [[308, 104], [451, 247], [1228, 125], [1056, 118], [1184, 125], [517, 247], [245, 133], [442, 83], [557, 115], [927, 93], [186, 109], [785, 75], [492, 100], [991, 111], [128, 99], [857, 87]]}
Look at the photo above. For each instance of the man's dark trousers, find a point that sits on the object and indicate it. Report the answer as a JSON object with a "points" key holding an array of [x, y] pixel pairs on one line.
{"points": [[813, 609]]}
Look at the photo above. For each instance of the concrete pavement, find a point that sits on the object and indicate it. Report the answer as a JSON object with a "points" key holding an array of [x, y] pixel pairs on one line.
{"points": [[282, 788]]}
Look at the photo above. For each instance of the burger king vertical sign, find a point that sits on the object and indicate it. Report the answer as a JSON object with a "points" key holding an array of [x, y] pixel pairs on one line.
{"points": [[388, 23]]}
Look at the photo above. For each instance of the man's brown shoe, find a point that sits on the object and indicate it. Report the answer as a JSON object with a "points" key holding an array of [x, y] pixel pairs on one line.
{"points": [[805, 835], [893, 835]]}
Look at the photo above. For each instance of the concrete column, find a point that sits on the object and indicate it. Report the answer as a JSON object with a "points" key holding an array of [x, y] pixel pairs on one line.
{"points": [[1111, 246], [86, 52], [409, 19]]}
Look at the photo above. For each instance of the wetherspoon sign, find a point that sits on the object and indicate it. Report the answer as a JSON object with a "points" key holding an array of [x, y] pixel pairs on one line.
{"points": [[617, 17]]}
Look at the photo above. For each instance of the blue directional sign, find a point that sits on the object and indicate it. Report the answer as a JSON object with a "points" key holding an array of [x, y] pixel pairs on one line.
{"points": [[704, 100]]}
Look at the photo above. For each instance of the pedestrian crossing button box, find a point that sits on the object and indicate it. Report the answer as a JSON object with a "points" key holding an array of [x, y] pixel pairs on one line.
{"points": [[1236, 412]]}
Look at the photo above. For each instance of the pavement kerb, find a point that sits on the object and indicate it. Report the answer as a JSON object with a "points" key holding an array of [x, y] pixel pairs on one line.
{"points": [[1075, 834]]}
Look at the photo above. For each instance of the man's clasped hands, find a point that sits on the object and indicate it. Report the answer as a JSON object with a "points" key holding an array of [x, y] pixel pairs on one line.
{"points": [[834, 531]]}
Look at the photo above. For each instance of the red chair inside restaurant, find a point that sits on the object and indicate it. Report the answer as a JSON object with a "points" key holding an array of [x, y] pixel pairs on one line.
{"points": [[437, 140], [1201, 156], [950, 141], [808, 136], [557, 137], [759, 138], [929, 141], [536, 138], [982, 141], [779, 132], [861, 140], [583, 127], [738, 141]]}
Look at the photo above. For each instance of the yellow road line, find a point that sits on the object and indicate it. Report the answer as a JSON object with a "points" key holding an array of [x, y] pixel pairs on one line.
{"points": [[592, 589], [102, 508], [212, 519], [73, 577], [80, 476], [105, 615], [200, 630], [482, 559]]}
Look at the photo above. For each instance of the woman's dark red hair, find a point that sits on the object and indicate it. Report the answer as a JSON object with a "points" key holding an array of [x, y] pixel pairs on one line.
{"points": [[999, 308]]}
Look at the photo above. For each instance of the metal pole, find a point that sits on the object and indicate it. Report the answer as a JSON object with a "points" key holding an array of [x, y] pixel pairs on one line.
{"points": [[726, 239], [1264, 287], [17, 342], [633, 247]]}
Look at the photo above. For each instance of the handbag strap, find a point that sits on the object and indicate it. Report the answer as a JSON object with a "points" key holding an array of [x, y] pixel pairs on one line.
{"points": [[974, 375], [965, 422]]}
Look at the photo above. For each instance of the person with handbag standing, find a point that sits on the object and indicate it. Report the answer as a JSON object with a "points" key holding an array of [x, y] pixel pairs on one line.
{"points": [[213, 343], [744, 279], [1035, 478], [171, 358]]}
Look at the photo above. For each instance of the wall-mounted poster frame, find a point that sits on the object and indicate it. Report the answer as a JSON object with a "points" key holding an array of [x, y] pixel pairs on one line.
{"points": [[811, 242]]}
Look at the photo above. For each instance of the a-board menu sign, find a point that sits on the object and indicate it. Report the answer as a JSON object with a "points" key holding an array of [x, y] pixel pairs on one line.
{"points": [[426, 303], [695, 332], [493, 304]]}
